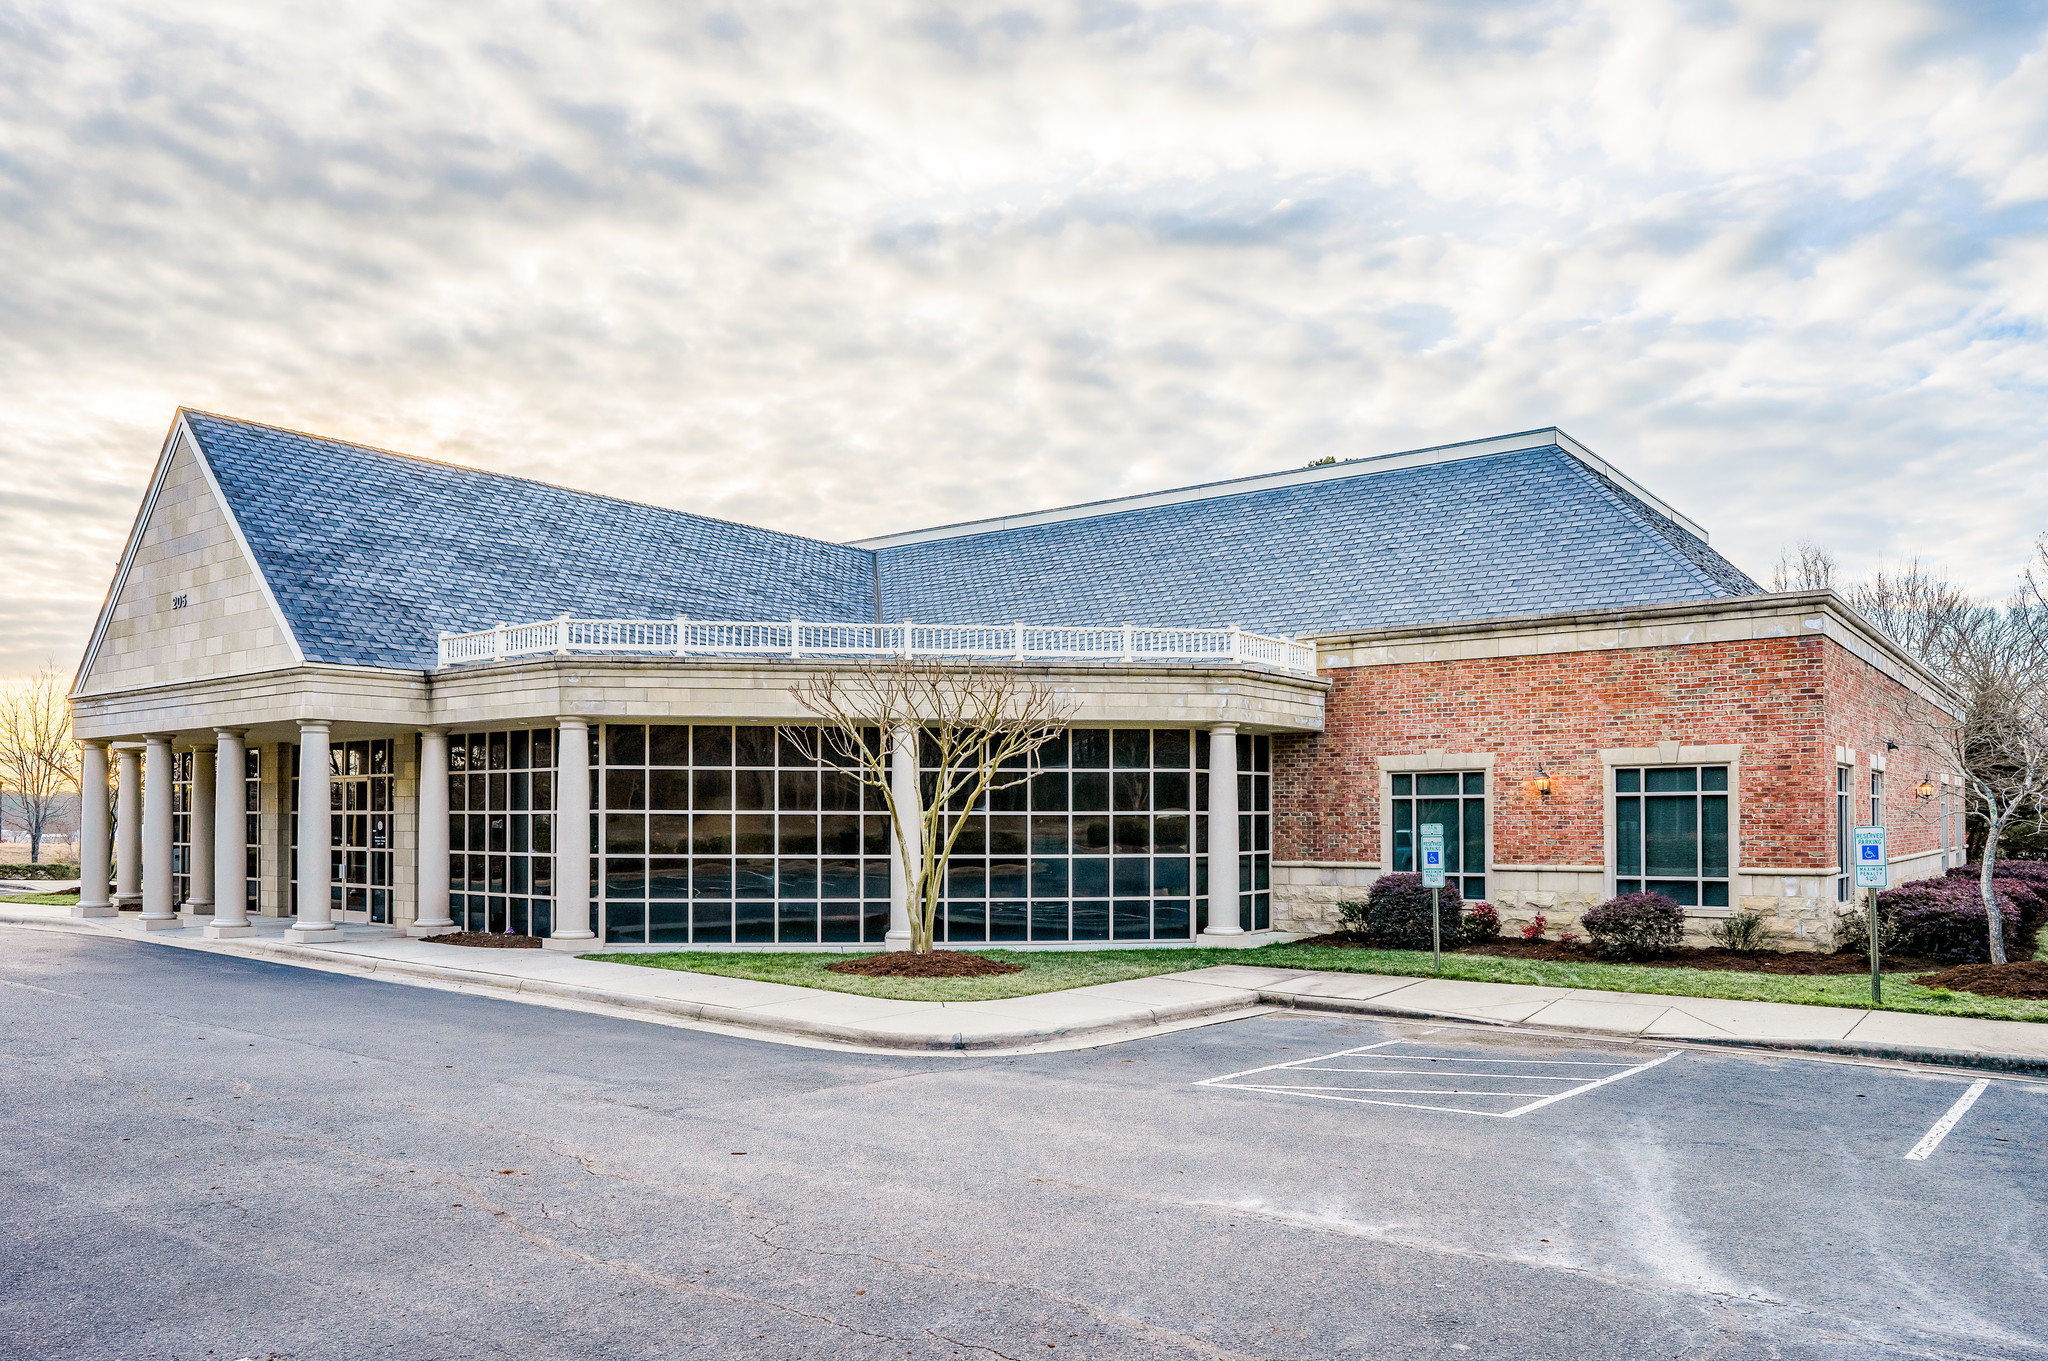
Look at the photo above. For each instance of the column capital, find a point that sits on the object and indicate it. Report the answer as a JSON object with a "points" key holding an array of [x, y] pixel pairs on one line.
{"points": [[315, 724], [227, 734], [1223, 727], [434, 729], [128, 744], [572, 721]]}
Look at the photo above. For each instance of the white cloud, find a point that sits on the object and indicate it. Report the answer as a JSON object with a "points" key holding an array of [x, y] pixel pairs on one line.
{"points": [[842, 269]]}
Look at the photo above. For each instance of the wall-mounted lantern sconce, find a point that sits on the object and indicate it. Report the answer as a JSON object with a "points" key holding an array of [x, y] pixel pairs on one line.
{"points": [[1890, 745], [1926, 790], [1542, 781]]}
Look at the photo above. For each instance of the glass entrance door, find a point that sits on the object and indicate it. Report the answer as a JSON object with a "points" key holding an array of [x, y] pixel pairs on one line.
{"points": [[360, 830]]}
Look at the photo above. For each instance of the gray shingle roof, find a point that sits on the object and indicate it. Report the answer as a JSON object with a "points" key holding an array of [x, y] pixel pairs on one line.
{"points": [[1534, 531], [371, 554]]}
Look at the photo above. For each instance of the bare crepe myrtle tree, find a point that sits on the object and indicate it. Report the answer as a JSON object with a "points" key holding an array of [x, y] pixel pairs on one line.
{"points": [[979, 726], [38, 758]]}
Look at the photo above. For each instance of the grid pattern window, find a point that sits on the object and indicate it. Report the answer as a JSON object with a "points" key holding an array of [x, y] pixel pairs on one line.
{"points": [[181, 826], [1843, 875], [1254, 832], [252, 830], [360, 825], [1101, 840], [1455, 801], [719, 834], [1671, 833], [1876, 798], [501, 830]]}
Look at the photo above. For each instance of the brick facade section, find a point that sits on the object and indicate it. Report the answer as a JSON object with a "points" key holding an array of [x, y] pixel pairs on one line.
{"points": [[1788, 701]]}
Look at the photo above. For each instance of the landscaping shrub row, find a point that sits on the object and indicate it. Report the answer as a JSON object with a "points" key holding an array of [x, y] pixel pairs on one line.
{"points": [[1943, 918], [59, 870]]}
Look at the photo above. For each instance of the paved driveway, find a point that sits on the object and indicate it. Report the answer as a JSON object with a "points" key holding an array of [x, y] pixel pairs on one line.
{"points": [[216, 1157]]}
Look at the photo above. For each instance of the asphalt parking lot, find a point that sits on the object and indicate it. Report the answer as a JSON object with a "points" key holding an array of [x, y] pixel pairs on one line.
{"points": [[214, 1157]]}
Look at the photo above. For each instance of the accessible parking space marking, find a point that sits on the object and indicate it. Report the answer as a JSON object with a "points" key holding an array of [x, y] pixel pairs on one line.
{"points": [[1384, 1073], [1932, 1139]]}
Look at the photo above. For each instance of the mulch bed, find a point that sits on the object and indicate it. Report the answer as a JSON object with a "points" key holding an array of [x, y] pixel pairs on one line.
{"points": [[488, 940], [937, 964], [1685, 957], [2027, 978]]}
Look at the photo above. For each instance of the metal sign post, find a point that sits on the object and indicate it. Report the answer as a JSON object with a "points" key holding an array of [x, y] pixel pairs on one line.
{"points": [[1433, 880], [1873, 872]]}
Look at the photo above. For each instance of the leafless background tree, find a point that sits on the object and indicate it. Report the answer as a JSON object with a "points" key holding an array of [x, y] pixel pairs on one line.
{"points": [[38, 759], [1995, 661], [1805, 566], [979, 726]]}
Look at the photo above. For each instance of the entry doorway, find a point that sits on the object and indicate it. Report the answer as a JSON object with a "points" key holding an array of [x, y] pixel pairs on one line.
{"points": [[361, 826]]}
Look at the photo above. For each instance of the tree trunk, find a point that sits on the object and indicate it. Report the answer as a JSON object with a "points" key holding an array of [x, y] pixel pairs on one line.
{"points": [[1994, 920]]}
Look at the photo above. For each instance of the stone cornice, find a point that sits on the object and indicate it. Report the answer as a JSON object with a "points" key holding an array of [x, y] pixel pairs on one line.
{"points": [[1789, 614]]}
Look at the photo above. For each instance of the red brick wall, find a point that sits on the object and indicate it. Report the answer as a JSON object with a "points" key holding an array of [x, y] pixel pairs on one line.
{"points": [[1865, 708], [1777, 697]]}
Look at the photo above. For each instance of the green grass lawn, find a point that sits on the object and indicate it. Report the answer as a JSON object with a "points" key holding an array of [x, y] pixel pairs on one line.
{"points": [[1051, 971], [49, 899]]}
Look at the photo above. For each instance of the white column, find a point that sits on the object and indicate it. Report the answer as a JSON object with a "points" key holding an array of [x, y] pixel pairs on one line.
{"points": [[199, 899], [903, 787], [93, 825], [572, 837], [432, 917], [128, 826], [230, 895], [1223, 920], [157, 913], [316, 868]]}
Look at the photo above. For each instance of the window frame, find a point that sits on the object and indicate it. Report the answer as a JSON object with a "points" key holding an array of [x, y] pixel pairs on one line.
{"points": [[1471, 886]]}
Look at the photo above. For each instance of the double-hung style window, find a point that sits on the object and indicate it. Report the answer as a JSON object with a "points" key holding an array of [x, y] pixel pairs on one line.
{"points": [[1671, 833], [1456, 802], [1842, 872], [1876, 798]]}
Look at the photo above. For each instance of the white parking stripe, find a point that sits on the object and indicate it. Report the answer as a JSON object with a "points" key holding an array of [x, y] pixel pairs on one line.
{"points": [[1932, 1139], [1451, 1069]]}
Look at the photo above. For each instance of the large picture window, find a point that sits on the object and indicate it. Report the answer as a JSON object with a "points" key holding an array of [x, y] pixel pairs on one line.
{"points": [[1671, 833], [359, 828], [1254, 830], [1843, 874], [720, 834], [1457, 803], [501, 826], [1103, 842]]}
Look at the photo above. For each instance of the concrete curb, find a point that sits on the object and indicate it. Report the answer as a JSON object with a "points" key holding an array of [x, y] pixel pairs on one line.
{"points": [[744, 1018], [2020, 1065], [1230, 1003]]}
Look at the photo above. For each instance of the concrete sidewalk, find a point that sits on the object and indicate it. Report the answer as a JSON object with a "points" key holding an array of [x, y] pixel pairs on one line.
{"points": [[1105, 1013]]}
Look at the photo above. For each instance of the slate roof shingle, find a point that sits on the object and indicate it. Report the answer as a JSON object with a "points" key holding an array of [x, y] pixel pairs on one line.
{"points": [[370, 553]]}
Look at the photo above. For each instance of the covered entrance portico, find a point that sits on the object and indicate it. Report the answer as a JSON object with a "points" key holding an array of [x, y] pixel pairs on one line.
{"points": [[449, 797]]}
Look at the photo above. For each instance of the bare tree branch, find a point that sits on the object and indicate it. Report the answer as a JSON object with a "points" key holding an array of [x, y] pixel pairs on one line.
{"points": [[978, 729], [38, 758], [1806, 566]]}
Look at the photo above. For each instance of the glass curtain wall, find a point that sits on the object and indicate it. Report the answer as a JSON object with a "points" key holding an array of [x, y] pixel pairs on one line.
{"points": [[501, 830], [1671, 833], [716, 834], [1456, 802]]}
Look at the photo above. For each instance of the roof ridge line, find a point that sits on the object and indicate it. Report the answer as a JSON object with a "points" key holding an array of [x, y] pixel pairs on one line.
{"points": [[1541, 437]]}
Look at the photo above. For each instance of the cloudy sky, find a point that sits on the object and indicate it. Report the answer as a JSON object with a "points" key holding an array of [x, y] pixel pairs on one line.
{"points": [[849, 268]]}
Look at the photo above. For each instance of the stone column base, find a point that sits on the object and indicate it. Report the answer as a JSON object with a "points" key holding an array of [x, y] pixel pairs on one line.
{"points": [[1223, 940], [572, 944], [896, 940], [324, 931], [95, 910], [224, 930], [160, 924], [421, 929], [188, 917]]}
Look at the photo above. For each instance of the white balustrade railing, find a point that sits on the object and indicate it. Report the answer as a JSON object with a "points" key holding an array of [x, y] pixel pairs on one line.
{"points": [[797, 638]]}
